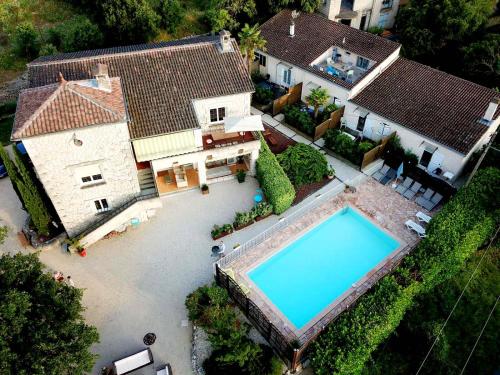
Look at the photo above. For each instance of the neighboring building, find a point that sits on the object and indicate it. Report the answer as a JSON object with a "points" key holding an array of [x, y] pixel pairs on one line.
{"points": [[104, 127], [443, 119], [361, 14]]}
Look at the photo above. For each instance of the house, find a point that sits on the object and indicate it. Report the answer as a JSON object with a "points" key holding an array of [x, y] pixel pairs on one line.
{"points": [[106, 128], [361, 14], [441, 118]]}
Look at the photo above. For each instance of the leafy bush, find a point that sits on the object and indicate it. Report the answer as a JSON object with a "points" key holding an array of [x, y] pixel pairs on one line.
{"points": [[377, 30], [76, 34], [344, 146], [326, 113], [26, 41], [234, 352], [262, 95], [47, 50], [303, 164], [171, 12], [218, 230], [299, 119], [274, 181], [365, 146], [257, 77], [262, 209], [453, 235], [8, 108], [243, 218]]}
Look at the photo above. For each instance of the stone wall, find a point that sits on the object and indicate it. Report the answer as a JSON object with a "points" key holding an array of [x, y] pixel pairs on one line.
{"points": [[57, 160]]}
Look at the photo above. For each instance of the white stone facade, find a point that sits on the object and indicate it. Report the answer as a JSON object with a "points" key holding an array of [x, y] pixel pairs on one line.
{"points": [[60, 164], [364, 13]]}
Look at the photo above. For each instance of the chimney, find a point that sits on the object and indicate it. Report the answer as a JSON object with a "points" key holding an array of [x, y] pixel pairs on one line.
{"points": [[490, 111], [225, 41], [100, 73], [295, 15]]}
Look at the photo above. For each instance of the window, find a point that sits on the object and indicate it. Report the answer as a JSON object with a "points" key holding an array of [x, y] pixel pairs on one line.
{"points": [[260, 58], [425, 159], [217, 114], [361, 123], [101, 205], [362, 62], [287, 76], [386, 4], [89, 175]]}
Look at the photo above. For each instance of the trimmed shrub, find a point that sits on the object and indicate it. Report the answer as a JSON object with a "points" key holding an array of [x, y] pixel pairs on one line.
{"points": [[303, 164], [262, 95], [273, 180], [465, 224]]}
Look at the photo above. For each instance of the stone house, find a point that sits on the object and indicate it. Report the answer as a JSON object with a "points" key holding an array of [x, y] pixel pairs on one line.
{"points": [[107, 128]]}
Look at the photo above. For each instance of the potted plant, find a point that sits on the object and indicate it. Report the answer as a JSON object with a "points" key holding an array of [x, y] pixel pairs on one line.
{"points": [[221, 231], [240, 175], [243, 219], [204, 189], [262, 210], [330, 173], [75, 245]]}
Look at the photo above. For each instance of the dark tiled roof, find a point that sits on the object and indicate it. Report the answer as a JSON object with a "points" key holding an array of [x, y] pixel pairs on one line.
{"points": [[67, 105], [159, 80], [435, 104], [314, 35]]}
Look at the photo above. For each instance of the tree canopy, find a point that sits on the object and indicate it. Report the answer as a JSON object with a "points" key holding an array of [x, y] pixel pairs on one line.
{"points": [[250, 40], [42, 330]]}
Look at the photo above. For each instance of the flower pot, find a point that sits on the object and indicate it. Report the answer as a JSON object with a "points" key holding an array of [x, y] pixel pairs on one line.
{"points": [[331, 177], [83, 253], [204, 192]]}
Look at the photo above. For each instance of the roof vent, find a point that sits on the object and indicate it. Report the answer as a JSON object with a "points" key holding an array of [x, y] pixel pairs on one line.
{"points": [[490, 111], [225, 41], [100, 73]]}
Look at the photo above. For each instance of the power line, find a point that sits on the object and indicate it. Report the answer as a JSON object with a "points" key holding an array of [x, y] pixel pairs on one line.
{"points": [[456, 303], [480, 334]]}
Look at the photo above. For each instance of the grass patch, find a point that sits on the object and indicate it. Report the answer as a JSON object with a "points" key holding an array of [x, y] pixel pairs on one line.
{"points": [[6, 129]]}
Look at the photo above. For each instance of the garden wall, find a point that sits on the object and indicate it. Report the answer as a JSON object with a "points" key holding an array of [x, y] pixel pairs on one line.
{"points": [[292, 97]]}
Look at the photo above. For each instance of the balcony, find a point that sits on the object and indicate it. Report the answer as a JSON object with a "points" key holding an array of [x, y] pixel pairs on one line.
{"points": [[221, 139]]}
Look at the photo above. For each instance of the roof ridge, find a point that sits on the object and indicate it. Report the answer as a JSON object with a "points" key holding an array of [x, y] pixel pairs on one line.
{"points": [[154, 47], [42, 107], [92, 100]]}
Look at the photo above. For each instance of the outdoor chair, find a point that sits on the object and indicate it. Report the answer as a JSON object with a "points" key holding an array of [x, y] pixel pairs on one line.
{"points": [[411, 225], [425, 198], [423, 218], [381, 172], [391, 175], [411, 192], [433, 202], [401, 188]]}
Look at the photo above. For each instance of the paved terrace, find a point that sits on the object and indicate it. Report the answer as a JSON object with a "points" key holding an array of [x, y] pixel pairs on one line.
{"points": [[381, 204]]}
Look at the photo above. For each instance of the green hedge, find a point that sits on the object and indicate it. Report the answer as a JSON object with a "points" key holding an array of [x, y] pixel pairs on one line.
{"points": [[465, 224], [303, 164], [273, 180]]}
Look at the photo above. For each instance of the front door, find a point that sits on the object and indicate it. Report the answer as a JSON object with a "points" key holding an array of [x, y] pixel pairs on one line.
{"points": [[362, 24]]}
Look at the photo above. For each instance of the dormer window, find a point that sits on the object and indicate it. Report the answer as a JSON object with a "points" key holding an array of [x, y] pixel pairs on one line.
{"points": [[362, 63], [217, 114]]}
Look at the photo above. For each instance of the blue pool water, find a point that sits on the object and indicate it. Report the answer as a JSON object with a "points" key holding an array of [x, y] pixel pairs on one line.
{"points": [[310, 273]]}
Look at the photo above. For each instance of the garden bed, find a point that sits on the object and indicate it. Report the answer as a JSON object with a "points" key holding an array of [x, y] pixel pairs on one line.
{"points": [[306, 190], [300, 117], [342, 144], [277, 141]]}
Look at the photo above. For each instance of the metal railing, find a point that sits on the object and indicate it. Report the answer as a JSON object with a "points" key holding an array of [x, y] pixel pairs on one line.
{"points": [[111, 214]]}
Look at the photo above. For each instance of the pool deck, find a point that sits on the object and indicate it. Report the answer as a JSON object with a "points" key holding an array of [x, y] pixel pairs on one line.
{"points": [[380, 204]]}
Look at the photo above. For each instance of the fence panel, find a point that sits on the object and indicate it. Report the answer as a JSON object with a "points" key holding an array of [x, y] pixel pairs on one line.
{"points": [[292, 97], [376, 152], [332, 123]]}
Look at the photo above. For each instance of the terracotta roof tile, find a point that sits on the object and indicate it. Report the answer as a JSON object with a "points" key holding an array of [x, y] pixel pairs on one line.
{"points": [[435, 104], [67, 105], [314, 35], [159, 80]]}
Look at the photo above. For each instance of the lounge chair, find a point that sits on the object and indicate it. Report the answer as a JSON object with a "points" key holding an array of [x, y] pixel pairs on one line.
{"points": [[411, 225], [381, 172], [410, 193], [423, 218], [425, 198], [401, 188], [433, 202], [391, 175]]}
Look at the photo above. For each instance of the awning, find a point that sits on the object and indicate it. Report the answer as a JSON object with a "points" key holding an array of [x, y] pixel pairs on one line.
{"points": [[311, 85], [243, 124], [362, 112], [428, 147]]}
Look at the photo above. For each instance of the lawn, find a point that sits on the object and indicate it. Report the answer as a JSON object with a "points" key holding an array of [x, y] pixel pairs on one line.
{"points": [[5, 129]]}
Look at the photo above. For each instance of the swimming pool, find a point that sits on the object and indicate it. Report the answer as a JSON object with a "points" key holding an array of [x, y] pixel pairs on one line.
{"points": [[308, 275]]}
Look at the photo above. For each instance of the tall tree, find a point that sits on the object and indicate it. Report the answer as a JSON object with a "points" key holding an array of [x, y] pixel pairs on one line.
{"points": [[42, 330], [250, 40], [318, 97], [227, 14]]}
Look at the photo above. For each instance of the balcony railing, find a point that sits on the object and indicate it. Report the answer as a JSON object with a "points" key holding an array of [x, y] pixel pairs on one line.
{"points": [[217, 140]]}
